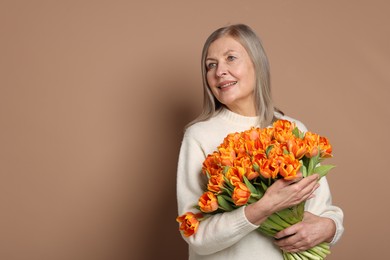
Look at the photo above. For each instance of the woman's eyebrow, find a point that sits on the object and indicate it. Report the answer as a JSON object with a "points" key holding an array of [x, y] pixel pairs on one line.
{"points": [[212, 59], [224, 54], [227, 52]]}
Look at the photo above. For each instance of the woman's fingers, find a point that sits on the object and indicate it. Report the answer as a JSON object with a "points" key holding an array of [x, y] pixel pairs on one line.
{"points": [[307, 186], [297, 178], [284, 194], [303, 189], [303, 235]]}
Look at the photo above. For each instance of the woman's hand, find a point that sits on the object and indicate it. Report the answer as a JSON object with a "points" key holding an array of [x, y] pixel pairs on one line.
{"points": [[280, 195], [284, 194], [311, 231]]}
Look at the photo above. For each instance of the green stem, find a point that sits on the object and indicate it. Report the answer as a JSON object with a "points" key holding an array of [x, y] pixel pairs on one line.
{"points": [[310, 255], [318, 251], [291, 216], [288, 256], [303, 256], [270, 228], [296, 256], [279, 221], [325, 246]]}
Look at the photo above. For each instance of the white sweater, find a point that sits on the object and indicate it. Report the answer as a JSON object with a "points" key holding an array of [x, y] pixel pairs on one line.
{"points": [[230, 235]]}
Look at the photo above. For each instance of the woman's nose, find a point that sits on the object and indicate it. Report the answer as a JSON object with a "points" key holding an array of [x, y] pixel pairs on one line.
{"points": [[221, 70]]}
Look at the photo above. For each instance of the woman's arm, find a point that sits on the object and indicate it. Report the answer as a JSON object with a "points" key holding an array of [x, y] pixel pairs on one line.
{"points": [[218, 231]]}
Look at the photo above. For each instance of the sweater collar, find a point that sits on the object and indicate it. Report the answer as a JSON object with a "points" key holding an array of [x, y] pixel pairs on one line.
{"points": [[237, 118]]}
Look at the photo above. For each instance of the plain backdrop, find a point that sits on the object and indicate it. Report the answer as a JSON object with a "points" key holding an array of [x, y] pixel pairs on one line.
{"points": [[94, 96]]}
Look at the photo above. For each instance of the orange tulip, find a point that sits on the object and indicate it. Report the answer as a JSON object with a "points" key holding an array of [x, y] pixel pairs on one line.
{"points": [[233, 180], [325, 147], [227, 156], [266, 137], [289, 166], [269, 168], [215, 183], [208, 202], [189, 223], [312, 143], [241, 194], [282, 136], [253, 134], [283, 130], [240, 150], [311, 151], [230, 140], [276, 150], [252, 174], [234, 172], [211, 162], [283, 125], [312, 137], [297, 147], [249, 146], [214, 172], [258, 156]]}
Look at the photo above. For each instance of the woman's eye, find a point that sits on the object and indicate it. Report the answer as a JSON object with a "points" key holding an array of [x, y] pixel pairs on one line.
{"points": [[231, 58], [211, 65]]}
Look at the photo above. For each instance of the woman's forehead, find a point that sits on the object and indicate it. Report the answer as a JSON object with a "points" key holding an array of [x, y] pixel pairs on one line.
{"points": [[223, 46]]}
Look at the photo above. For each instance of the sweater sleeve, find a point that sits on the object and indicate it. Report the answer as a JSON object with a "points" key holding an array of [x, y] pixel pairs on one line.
{"points": [[321, 205], [218, 231]]}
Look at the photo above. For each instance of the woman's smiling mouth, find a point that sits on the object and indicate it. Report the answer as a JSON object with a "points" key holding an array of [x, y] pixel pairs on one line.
{"points": [[227, 84]]}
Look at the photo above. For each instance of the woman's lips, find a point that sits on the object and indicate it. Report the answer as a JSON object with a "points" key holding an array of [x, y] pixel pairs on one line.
{"points": [[226, 84]]}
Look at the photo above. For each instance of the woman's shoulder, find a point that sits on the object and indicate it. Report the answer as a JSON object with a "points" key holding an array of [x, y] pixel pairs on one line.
{"points": [[200, 128], [211, 130]]}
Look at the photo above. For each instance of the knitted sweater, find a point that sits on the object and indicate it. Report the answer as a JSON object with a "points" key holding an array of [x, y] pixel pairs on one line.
{"points": [[230, 235]]}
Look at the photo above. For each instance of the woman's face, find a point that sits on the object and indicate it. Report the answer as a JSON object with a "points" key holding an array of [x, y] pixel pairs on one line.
{"points": [[231, 75]]}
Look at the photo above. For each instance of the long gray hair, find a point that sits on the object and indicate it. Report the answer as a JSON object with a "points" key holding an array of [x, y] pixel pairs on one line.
{"points": [[262, 92]]}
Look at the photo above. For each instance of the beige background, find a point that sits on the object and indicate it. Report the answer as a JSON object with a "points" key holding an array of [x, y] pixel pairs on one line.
{"points": [[94, 96]]}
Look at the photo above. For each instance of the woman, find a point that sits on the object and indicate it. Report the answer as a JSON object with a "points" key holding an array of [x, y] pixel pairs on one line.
{"points": [[237, 96]]}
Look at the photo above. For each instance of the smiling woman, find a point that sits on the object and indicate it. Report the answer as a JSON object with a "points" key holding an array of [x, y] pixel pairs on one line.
{"points": [[237, 97], [231, 75]]}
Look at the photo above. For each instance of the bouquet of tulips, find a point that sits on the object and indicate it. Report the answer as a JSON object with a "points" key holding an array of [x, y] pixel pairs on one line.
{"points": [[247, 163]]}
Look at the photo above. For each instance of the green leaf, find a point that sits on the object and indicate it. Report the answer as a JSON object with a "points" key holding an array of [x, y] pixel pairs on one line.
{"points": [[296, 132], [256, 167], [305, 161], [260, 192], [269, 148], [227, 198], [322, 170], [227, 182], [265, 187], [313, 163], [249, 185], [223, 204], [229, 192], [304, 170]]}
